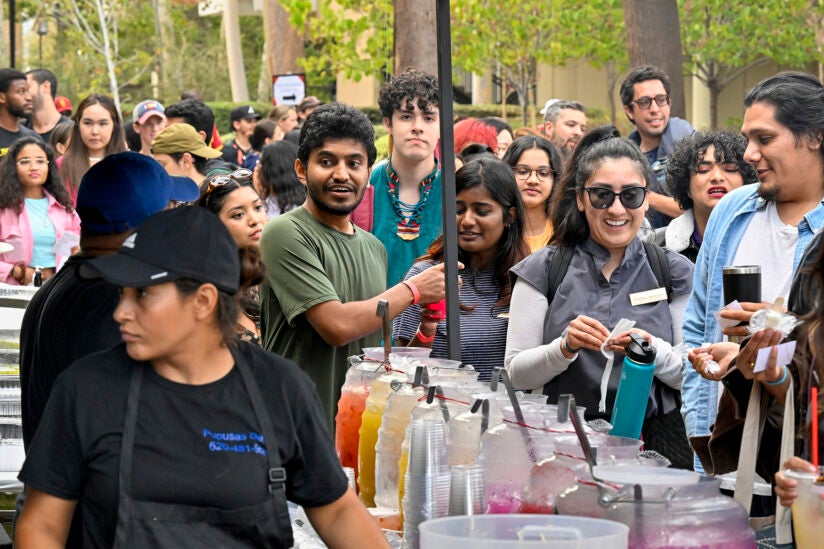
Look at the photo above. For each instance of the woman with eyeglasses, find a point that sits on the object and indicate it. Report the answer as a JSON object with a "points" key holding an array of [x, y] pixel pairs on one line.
{"points": [[556, 336], [234, 200], [701, 170], [537, 166], [37, 219], [97, 132], [182, 436], [490, 241]]}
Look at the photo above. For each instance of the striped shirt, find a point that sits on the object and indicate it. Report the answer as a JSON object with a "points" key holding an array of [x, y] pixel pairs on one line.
{"points": [[483, 331]]}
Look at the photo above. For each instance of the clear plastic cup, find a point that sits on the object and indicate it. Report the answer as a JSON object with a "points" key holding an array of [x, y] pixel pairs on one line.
{"points": [[808, 510]]}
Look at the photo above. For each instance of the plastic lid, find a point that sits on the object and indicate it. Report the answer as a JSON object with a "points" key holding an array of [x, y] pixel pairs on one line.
{"points": [[801, 475], [645, 476], [640, 350]]}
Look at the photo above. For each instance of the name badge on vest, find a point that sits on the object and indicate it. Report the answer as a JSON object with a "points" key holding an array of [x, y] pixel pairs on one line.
{"points": [[650, 296]]}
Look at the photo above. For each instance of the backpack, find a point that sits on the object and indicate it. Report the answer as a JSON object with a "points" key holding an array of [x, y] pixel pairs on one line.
{"points": [[655, 257], [664, 433]]}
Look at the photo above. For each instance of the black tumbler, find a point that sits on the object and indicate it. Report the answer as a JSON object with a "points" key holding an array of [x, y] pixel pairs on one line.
{"points": [[742, 283]]}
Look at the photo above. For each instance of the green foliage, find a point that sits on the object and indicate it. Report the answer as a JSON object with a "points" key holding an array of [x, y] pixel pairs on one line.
{"points": [[718, 33], [197, 52], [348, 37]]}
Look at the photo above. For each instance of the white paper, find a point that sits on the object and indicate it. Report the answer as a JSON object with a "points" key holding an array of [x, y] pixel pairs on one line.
{"points": [[726, 322], [785, 356], [623, 325], [65, 244]]}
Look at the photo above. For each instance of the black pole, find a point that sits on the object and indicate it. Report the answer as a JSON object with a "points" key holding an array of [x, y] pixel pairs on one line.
{"points": [[450, 229], [12, 17]]}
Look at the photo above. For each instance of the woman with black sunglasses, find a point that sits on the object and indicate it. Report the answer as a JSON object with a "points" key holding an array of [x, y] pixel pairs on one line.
{"points": [[555, 339]]}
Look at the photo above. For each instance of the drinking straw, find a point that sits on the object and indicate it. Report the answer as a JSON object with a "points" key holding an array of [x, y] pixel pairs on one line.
{"points": [[814, 405]]}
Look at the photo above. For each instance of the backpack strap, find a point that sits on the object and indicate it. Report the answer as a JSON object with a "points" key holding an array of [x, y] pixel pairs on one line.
{"points": [[558, 270], [657, 259]]}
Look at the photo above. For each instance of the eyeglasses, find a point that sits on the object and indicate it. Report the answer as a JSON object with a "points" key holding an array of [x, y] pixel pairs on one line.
{"points": [[26, 162], [522, 173], [645, 102], [602, 198]]}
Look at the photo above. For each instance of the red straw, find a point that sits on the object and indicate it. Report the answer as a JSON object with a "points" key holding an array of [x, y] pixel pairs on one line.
{"points": [[814, 406]]}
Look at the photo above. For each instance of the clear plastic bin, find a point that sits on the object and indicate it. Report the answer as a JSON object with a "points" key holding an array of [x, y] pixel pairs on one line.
{"points": [[522, 532]]}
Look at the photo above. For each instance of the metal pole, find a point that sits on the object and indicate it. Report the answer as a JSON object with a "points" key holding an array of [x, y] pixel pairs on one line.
{"points": [[12, 17], [450, 230]]}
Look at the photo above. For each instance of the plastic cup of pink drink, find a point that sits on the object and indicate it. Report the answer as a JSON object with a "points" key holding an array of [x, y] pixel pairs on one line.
{"points": [[437, 309]]}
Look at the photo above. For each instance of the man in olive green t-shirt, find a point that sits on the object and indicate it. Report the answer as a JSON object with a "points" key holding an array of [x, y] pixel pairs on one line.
{"points": [[324, 275]]}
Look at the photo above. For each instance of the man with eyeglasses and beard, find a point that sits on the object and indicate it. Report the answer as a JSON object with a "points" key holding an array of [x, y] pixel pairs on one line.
{"points": [[325, 276], [645, 94]]}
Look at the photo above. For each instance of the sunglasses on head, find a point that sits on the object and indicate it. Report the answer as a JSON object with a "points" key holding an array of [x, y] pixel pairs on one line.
{"points": [[602, 198], [223, 180]]}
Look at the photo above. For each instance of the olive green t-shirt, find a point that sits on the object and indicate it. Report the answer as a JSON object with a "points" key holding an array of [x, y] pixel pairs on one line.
{"points": [[308, 263]]}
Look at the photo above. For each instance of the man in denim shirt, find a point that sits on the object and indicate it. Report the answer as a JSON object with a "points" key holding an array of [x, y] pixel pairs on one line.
{"points": [[769, 225]]}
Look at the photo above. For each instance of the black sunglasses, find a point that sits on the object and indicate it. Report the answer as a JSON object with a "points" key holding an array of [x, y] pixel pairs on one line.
{"points": [[602, 198]]}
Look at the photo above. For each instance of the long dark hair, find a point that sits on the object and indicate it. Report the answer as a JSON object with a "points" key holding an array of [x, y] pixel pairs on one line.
{"points": [[11, 190], [569, 224], [528, 142], [277, 177], [252, 272], [76, 159], [497, 178]]}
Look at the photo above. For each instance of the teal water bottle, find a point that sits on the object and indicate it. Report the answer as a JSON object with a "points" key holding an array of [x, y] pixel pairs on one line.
{"points": [[633, 389]]}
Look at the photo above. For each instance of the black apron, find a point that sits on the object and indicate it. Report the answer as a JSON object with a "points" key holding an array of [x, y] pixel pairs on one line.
{"points": [[146, 524]]}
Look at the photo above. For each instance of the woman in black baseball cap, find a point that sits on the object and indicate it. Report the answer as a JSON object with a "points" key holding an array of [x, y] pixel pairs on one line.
{"points": [[166, 440]]}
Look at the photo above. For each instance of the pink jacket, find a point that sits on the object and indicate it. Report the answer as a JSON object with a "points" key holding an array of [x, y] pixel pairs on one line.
{"points": [[15, 229]]}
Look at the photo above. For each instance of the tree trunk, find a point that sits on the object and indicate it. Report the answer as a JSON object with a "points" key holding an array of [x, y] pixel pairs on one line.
{"points": [[234, 53], [109, 54], [285, 44], [654, 38], [612, 80], [416, 41], [170, 80], [715, 91]]}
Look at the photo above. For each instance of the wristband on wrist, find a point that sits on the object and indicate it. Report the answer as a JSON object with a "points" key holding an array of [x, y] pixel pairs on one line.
{"points": [[779, 381], [416, 295], [424, 339]]}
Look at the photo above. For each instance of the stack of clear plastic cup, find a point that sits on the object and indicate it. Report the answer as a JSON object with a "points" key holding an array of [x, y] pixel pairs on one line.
{"points": [[426, 494], [466, 490], [390, 439]]}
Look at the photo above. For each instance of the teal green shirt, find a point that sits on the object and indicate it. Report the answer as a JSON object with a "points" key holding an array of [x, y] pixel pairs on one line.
{"points": [[403, 253], [308, 263]]}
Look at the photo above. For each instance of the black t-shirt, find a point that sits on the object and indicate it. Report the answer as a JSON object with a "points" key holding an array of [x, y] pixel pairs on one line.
{"points": [[232, 152], [7, 137], [194, 444], [47, 134], [67, 319]]}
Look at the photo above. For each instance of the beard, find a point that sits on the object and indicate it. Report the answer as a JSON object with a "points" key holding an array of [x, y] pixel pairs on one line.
{"points": [[316, 194], [14, 110], [770, 194]]}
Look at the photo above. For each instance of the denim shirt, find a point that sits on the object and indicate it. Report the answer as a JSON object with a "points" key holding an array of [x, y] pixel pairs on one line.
{"points": [[725, 229]]}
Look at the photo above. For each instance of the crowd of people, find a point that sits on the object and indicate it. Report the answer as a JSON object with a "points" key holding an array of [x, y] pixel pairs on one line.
{"points": [[175, 267]]}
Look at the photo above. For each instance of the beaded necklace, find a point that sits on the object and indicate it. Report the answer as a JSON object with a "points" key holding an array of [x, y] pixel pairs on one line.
{"points": [[409, 223]]}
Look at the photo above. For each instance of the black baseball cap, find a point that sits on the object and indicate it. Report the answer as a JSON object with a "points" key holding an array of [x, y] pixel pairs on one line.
{"points": [[188, 242], [244, 111]]}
